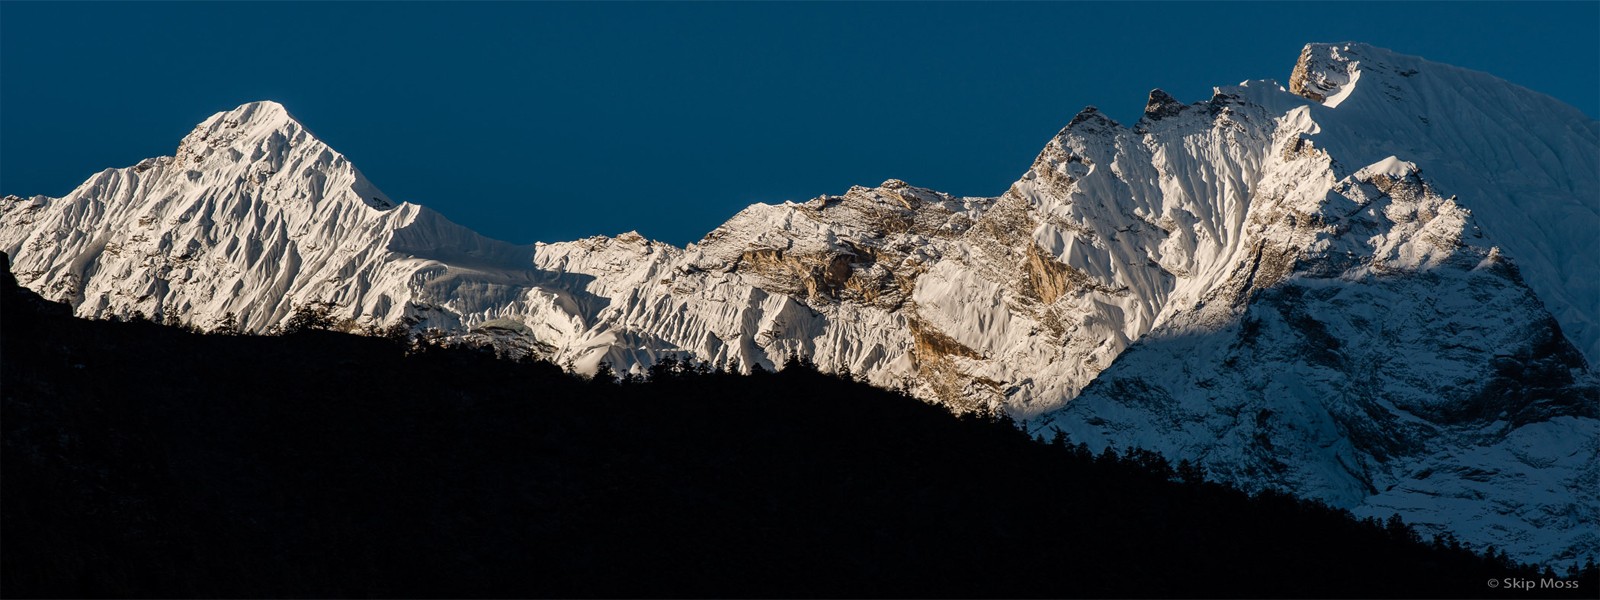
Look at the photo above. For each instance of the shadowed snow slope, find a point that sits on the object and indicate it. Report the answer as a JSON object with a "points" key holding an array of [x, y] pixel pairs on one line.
{"points": [[1376, 287]]}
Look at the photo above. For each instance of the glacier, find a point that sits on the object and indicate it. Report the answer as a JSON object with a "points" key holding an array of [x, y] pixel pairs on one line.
{"points": [[1375, 286]]}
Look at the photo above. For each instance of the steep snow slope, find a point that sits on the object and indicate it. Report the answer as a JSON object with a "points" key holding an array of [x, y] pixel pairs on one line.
{"points": [[252, 216], [1325, 319], [1344, 288], [1396, 367], [1524, 163]]}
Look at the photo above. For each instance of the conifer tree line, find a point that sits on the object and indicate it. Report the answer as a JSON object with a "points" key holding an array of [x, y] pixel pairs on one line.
{"points": [[144, 460]]}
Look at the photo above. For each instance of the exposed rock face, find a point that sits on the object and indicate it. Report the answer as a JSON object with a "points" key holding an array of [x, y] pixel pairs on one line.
{"points": [[1343, 289], [1162, 105], [1312, 79]]}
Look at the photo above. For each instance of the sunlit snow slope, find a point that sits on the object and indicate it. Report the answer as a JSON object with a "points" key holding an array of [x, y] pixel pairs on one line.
{"points": [[1376, 287]]}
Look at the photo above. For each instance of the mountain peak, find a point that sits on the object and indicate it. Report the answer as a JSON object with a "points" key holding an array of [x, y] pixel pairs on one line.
{"points": [[1318, 75], [1092, 116], [257, 141], [261, 115], [268, 108], [1162, 105], [1328, 73], [251, 121], [247, 131]]}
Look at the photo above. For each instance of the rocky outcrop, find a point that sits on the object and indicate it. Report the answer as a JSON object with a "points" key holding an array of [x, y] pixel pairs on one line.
{"points": [[1162, 105]]}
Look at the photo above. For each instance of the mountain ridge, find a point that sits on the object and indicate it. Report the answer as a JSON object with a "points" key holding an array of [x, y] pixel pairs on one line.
{"points": [[1199, 220]]}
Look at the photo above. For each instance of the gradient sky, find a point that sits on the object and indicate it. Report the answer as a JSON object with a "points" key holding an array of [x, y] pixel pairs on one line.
{"points": [[544, 121]]}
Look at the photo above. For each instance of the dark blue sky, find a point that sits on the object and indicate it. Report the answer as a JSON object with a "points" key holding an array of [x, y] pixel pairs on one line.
{"points": [[541, 121]]}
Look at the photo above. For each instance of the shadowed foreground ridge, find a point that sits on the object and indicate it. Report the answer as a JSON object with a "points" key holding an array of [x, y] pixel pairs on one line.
{"points": [[142, 460]]}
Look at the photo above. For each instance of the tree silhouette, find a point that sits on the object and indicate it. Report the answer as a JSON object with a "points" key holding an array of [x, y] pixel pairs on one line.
{"points": [[227, 325], [311, 316]]}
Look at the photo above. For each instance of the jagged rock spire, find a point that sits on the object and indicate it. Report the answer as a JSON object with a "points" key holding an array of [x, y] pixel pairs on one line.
{"points": [[1162, 105]]}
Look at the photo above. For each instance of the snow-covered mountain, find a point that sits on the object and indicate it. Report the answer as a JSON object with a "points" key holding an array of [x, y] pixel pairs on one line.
{"points": [[1377, 286]]}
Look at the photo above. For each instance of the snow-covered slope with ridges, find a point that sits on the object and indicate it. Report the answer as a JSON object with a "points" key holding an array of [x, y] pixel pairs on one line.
{"points": [[1525, 163], [1396, 367], [1341, 292], [1375, 286], [253, 216]]}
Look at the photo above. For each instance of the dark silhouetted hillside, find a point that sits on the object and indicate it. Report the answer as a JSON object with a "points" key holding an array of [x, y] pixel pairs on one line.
{"points": [[143, 460]]}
